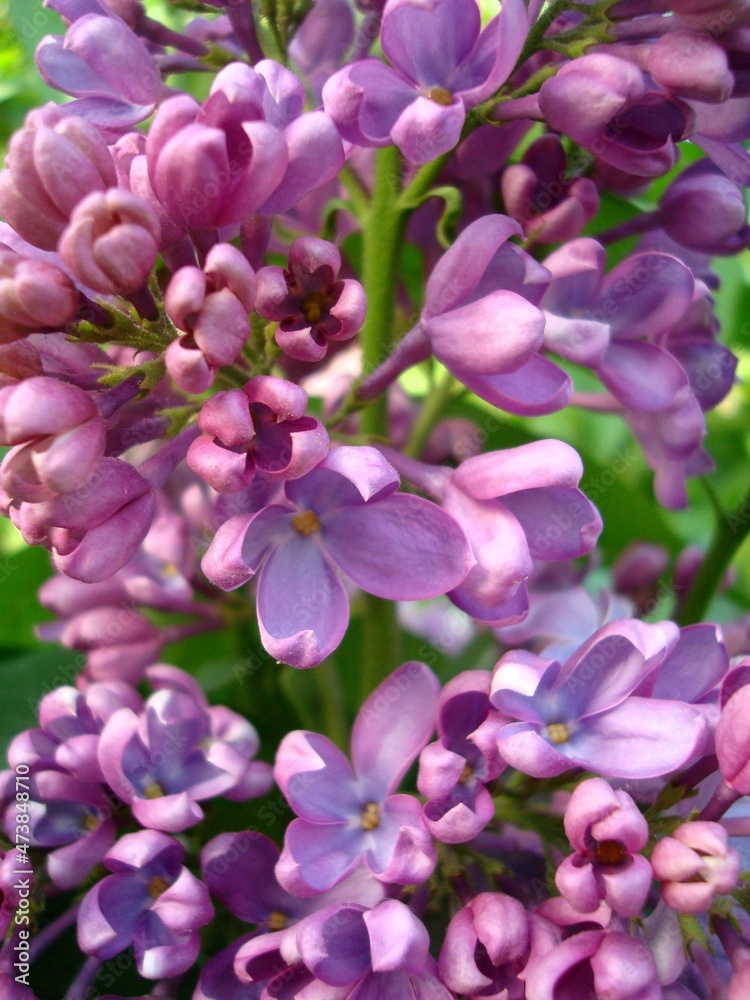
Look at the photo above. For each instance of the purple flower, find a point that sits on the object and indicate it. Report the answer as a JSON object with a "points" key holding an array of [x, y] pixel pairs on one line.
{"points": [[480, 319], [605, 103], [151, 901], [93, 531], [52, 164], [485, 947], [584, 713], [344, 515], [454, 769], [443, 64], [607, 830], [249, 148], [212, 307], [309, 304], [57, 438], [693, 864], [34, 295], [104, 64], [70, 819], [111, 242], [259, 427], [352, 816], [163, 761], [594, 963], [539, 193], [714, 206]]}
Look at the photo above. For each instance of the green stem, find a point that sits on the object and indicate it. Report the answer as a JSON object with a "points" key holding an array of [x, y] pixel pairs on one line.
{"points": [[383, 236], [332, 699], [729, 534], [382, 642], [431, 411], [414, 194], [356, 190]]}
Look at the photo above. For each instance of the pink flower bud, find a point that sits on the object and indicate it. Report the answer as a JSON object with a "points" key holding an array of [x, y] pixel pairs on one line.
{"points": [[112, 242], [34, 295], [693, 864]]}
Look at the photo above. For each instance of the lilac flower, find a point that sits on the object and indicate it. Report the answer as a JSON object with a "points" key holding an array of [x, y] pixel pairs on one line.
{"points": [[453, 770], [605, 103], [163, 761], [70, 819], [57, 438], [309, 304], [584, 713], [607, 830], [259, 427], [104, 64], [538, 192], [693, 864], [443, 65], [594, 962], [485, 947], [321, 42], [352, 816], [70, 722], [111, 242], [344, 514], [249, 148], [34, 295], [481, 320], [713, 204], [238, 869], [211, 305], [151, 901], [512, 505], [349, 952], [94, 530]]}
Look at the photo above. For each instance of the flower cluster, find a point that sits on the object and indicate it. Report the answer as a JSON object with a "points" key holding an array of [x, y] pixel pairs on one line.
{"points": [[272, 352]]}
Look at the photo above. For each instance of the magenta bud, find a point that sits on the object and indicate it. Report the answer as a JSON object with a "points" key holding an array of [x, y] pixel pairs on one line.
{"points": [[52, 164], [112, 242], [34, 296], [539, 193], [693, 864], [692, 66], [704, 210]]}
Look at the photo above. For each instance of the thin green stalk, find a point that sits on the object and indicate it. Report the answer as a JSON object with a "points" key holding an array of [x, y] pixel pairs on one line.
{"points": [[430, 412], [331, 696], [356, 190], [382, 642], [729, 534], [383, 236]]}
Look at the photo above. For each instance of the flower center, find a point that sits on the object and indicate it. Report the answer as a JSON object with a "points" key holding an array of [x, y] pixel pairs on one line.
{"points": [[466, 773], [371, 816], [157, 886], [276, 920], [91, 821], [610, 852], [558, 732], [312, 307], [306, 522], [152, 790], [441, 96]]}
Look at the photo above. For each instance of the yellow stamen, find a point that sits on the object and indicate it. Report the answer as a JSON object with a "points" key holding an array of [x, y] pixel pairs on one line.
{"points": [[153, 791], [371, 816], [91, 821], [312, 307], [466, 773], [306, 522], [441, 96], [157, 886], [277, 921], [558, 732]]}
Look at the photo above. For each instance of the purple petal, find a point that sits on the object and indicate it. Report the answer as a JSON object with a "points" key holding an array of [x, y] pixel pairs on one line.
{"points": [[238, 870], [316, 856], [559, 523], [460, 269], [403, 548], [696, 665], [547, 463], [365, 100], [643, 376], [303, 609], [537, 388], [160, 953], [392, 727], [316, 778], [641, 738], [505, 36], [315, 156], [425, 129], [334, 945], [428, 41], [398, 938], [110, 914], [401, 849], [496, 334], [645, 295]]}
